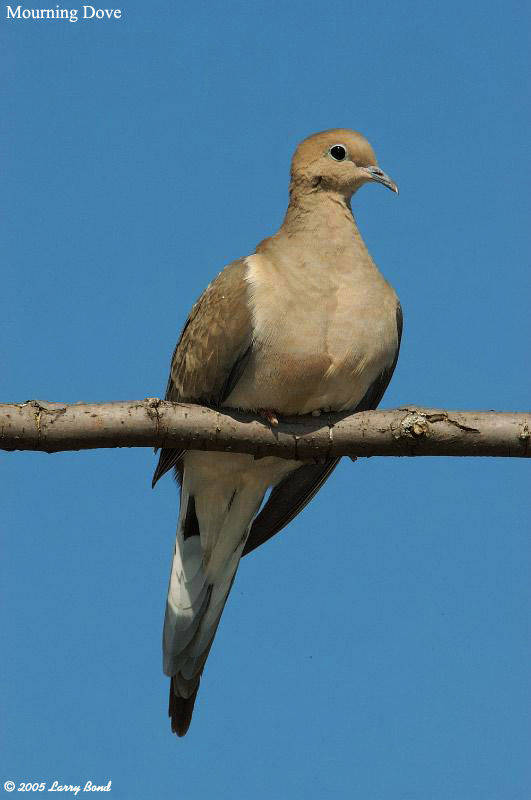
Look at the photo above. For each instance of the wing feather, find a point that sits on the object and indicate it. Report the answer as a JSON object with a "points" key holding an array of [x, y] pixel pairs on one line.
{"points": [[212, 350]]}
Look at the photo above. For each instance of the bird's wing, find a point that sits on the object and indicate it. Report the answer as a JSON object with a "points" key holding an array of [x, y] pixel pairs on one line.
{"points": [[212, 350], [293, 493], [287, 500], [214, 514], [376, 391]]}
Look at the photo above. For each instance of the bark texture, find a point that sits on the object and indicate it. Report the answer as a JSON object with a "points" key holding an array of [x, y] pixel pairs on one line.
{"points": [[405, 431]]}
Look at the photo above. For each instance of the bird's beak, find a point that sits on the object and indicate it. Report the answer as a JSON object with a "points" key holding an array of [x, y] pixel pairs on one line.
{"points": [[379, 176]]}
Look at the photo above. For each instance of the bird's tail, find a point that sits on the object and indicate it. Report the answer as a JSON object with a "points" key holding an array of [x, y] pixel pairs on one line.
{"points": [[211, 534]]}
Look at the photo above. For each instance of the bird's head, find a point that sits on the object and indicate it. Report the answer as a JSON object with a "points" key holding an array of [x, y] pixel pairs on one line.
{"points": [[338, 160]]}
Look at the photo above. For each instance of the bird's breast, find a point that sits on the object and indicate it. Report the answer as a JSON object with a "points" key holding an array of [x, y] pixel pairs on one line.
{"points": [[320, 337]]}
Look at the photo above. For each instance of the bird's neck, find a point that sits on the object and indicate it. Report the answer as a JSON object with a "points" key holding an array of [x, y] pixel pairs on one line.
{"points": [[323, 221]]}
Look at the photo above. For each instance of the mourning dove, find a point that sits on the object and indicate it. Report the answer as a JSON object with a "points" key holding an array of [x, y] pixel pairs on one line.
{"points": [[307, 323]]}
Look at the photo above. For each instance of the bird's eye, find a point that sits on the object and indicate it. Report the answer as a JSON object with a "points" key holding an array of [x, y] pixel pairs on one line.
{"points": [[338, 152]]}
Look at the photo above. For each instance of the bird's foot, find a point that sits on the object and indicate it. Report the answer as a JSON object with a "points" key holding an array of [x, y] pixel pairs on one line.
{"points": [[318, 411], [269, 415]]}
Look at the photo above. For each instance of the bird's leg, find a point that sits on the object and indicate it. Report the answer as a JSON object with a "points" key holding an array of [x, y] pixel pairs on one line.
{"points": [[269, 415]]}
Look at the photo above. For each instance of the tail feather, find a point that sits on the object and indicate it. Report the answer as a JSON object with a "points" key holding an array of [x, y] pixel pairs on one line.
{"points": [[220, 496], [183, 694], [180, 710], [203, 570]]}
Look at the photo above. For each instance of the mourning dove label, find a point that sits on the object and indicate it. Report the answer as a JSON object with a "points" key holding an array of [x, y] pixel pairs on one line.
{"points": [[58, 13]]}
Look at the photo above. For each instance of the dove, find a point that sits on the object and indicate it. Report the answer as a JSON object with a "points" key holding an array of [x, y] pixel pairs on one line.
{"points": [[305, 324]]}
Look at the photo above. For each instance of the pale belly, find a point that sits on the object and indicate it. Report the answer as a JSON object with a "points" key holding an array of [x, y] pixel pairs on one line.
{"points": [[320, 354]]}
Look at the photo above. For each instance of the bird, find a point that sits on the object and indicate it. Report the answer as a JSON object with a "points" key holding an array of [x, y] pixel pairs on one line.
{"points": [[305, 324]]}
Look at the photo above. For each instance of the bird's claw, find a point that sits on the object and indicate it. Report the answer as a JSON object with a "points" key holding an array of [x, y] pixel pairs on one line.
{"points": [[269, 415]]}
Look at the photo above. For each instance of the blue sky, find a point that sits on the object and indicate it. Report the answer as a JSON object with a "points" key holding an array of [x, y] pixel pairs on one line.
{"points": [[379, 648]]}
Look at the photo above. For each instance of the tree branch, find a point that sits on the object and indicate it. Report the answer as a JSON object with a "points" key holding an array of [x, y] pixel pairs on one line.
{"points": [[406, 431]]}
